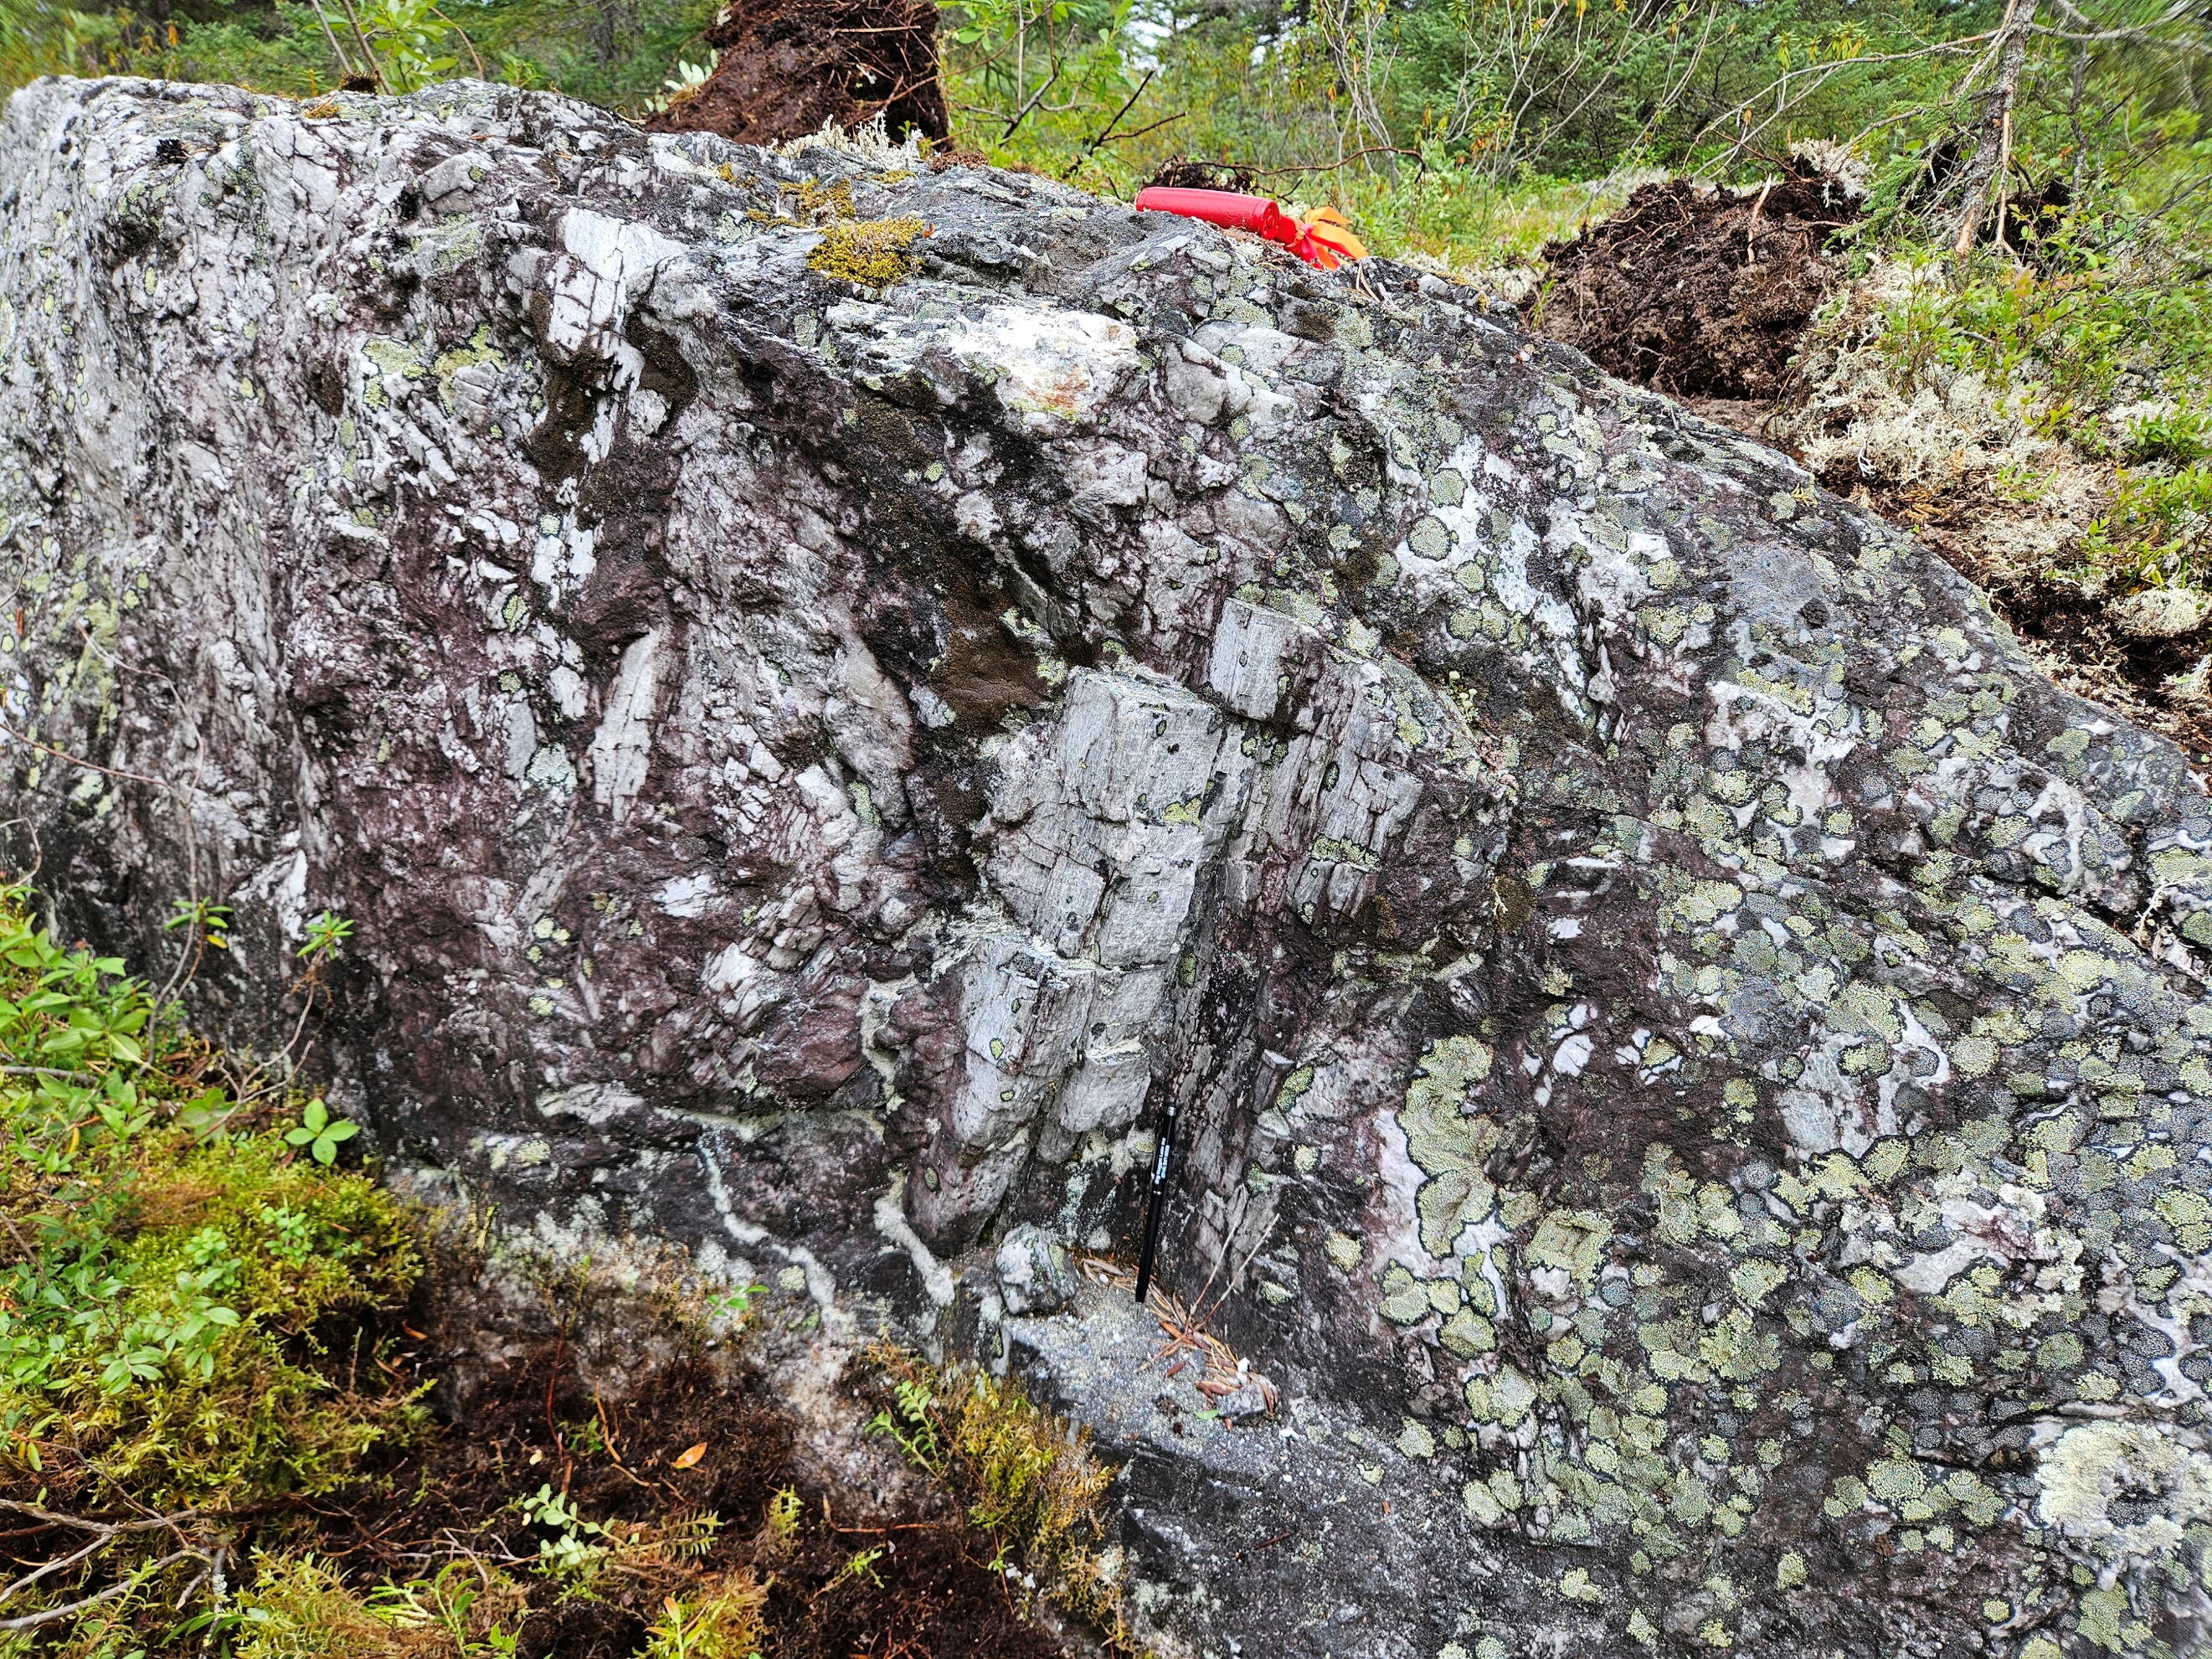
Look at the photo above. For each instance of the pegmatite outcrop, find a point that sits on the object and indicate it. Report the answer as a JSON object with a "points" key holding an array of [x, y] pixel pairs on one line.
{"points": [[1693, 1054]]}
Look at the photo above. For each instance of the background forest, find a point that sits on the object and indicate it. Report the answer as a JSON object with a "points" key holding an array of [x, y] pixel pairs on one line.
{"points": [[1465, 130]]}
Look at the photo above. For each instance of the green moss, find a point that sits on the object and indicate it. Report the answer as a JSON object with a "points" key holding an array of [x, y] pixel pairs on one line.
{"points": [[806, 202], [724, 1617], [872, 252], [175, 1271], [1026, 1476], [300, 1607]]}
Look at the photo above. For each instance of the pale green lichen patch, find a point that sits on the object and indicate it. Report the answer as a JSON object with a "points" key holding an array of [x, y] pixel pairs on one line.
{"points": [[1572, 1240], [2133, 1488], [397, 364], [479, 352], [456, 240]]}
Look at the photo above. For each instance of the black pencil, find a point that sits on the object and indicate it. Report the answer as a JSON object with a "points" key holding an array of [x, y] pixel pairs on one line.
{"points": [[1146, 1258]]}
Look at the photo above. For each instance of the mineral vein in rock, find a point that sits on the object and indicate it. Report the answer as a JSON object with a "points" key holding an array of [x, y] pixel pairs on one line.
{"points": [[1695, 1052]]}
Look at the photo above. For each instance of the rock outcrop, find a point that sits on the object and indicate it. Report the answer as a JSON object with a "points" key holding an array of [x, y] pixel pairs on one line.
{"points": [[1692, 1054]]}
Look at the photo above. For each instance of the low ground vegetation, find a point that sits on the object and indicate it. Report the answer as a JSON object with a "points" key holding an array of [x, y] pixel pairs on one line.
{"points": [[1027, 1477], [246, 1407], [2037, 416]]}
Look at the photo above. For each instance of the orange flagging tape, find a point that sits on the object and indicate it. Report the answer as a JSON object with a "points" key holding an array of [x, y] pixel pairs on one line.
{"points": [[1322, 237]]}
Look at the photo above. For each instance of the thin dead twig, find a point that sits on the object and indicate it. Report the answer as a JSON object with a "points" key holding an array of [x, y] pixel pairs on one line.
{"points": [[46, 1616], [1331, 167], [208, 1551], [1138, 132], [88, 1523], [1127, 104], [345, 68], [1035, 98], [465, 41]]}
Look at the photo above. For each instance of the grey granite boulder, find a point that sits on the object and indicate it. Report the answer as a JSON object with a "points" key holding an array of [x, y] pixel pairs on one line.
{"points": [[1692, 1054]]}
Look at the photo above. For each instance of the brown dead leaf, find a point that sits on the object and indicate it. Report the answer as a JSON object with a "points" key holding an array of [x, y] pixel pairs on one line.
{"points": [[686, 1458]]}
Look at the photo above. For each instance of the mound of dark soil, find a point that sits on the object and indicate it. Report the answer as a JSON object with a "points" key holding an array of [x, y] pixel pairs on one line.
{"points": [[1191, 174], [1698, 291], [788, 66]]}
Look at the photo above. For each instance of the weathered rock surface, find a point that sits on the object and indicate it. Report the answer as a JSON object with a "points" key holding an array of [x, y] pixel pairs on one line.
{"points": [[1695, 1054]]}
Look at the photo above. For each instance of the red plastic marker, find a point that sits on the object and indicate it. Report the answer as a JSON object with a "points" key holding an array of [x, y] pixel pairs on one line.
{"points": [[1322, 237]]}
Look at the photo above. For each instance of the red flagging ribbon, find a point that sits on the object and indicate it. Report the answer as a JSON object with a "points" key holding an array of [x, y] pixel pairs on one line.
{"points": [[1322, 237]]}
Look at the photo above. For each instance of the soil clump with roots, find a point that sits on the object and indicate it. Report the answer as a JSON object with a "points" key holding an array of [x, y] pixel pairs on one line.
{"points": [[1698, 290], [787, 68], [681, 1472]]}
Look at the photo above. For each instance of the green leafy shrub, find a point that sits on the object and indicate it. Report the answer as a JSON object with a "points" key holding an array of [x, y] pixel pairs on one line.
{"points": [[2176, 438], [173, 1273], [616, 56], [578, 1547], [2158, 534], [2070, 386]]}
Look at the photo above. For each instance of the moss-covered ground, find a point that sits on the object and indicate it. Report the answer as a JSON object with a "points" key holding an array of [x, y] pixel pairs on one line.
{"points": [[247, 1409]]}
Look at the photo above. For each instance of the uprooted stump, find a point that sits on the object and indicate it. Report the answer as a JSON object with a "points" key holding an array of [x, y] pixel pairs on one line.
{"points": [[1693, 1070], [788, 68], [1699, 290]]}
